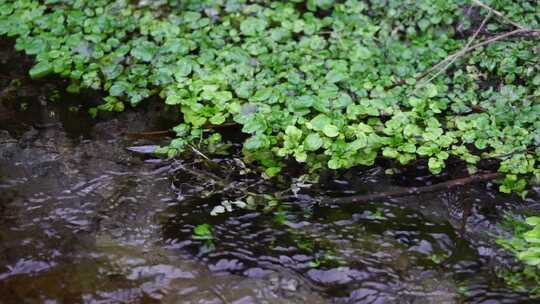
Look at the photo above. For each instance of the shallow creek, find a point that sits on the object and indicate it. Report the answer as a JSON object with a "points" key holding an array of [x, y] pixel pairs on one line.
{"points": [[85, 220]]}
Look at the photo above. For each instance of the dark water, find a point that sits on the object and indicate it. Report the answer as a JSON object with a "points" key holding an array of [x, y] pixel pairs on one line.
{"points": [[407, 251], [83, 220]]}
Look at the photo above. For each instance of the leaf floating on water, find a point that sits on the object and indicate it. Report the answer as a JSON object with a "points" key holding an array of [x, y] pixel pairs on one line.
{"points": [[202, 232], [217, 210], [148, 149]]}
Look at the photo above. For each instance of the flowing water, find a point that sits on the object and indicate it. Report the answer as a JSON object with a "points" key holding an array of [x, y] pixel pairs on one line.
{"points": [[83, 219]]}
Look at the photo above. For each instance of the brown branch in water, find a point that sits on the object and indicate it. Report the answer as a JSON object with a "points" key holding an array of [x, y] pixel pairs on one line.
{"points": [[414, 190], [150, 133]]}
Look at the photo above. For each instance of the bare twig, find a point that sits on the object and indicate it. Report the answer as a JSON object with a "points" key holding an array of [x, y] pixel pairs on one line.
{"points": [[452, 59], [460, 53], [219, 295], [196, 151], [178, 166], [532, 32], [512, 153], [479, 45], [413, 190], [499, 14]]}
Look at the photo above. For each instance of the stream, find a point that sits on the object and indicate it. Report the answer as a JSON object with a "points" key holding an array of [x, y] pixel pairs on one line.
{"points": [[84, 219]]}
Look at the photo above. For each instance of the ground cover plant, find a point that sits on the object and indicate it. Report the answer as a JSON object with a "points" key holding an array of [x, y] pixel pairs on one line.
{"points": [[330, 84], [525, 245]]}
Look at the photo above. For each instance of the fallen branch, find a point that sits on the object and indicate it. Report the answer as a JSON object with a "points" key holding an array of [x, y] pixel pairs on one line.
{"points": [[465, 50], [512, 153], [151, 133], [460, 53], [499, 14], [452, 57], [413, 190]]}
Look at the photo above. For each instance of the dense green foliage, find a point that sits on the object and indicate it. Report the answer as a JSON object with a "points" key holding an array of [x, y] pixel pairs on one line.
{"points": [[327, 83], [526, 241], [525, 245]]}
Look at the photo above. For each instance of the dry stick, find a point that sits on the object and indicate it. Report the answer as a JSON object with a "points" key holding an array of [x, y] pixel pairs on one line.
{"points": [[200, 153], [499, 14], [219, 295], [178, 166], [451, 59], [502, 36], [478, 45], [460, 53], [413, 190], [471, 48], [506, 155]]}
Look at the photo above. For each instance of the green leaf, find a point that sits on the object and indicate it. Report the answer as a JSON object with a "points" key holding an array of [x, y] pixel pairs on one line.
{"points": [[42, 69], [330, 130], [255, 143], [300, 156], [182, 69], [252, 26], [223, 96], [293, 132], [119, 88], [263, 94], [217, 119], [173, 100], [272, 171], [390, 152], [533, 221], [435, 165], [431, 90], [144, 50], [334, 164], [335, 76], [319, 122], [536, 80], [202, 232], [313, 142], [360, 143]]}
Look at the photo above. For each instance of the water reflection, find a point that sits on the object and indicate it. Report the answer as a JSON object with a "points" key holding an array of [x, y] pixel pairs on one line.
{"points": [[405, 251]]}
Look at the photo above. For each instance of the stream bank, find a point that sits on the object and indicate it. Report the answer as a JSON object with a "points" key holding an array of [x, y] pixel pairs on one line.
{"points": [[84, 220]]}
